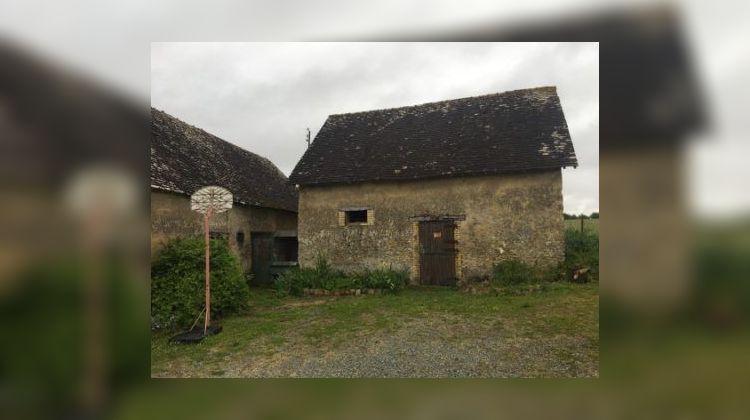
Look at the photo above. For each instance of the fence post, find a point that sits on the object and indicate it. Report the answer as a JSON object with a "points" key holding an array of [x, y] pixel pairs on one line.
{"points": [[581, 223]]}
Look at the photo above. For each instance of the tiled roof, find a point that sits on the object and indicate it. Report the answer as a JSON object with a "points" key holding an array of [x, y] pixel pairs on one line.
{"points": [[522, 130], [185, 158]]}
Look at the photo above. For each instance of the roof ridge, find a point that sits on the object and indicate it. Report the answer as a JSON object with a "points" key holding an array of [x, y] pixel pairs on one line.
{"points": [[551, 88]]}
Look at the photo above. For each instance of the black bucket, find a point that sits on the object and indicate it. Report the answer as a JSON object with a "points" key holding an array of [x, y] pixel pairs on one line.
{"points": [[195, 335]]}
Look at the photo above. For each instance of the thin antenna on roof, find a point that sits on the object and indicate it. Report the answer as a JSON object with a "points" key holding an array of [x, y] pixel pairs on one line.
{"points": [[308, 137]]}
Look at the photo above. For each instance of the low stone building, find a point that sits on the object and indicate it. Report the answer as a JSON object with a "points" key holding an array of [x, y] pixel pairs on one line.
{"points": [[261, 226], [444, 190]]}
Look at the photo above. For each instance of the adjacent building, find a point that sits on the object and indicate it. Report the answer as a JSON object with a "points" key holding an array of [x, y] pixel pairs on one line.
{"points": [[444, 190], [262, 225]]}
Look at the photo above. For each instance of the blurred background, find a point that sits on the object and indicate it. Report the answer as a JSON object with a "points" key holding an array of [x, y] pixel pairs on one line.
{"points": [[675, 230]]}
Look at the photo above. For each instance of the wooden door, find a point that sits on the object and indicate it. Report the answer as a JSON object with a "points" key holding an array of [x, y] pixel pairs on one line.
{"points": [[437, 260], [262, 258]]}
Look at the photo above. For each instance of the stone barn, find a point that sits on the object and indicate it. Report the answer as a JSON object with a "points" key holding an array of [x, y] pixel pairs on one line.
{"points": [[262, 225], [444, 190]]}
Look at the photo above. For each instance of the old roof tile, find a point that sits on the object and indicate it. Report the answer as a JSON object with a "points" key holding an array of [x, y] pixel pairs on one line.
{"points": [[185, 158], [514, 131]]}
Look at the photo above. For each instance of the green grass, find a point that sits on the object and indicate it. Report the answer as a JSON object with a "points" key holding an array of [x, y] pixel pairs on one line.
{"points": [[324, 323], [588, 224]]}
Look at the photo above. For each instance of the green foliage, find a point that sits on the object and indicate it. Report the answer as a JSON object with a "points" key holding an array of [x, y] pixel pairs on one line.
{"points": [[323, 276], [722, 267], [386, 279], [47, 335], [582, 250], [178, 282], [513, 273], [292, 282]]}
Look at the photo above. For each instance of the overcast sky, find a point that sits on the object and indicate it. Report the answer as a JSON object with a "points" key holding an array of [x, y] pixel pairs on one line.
{"points": [[262, 96]]}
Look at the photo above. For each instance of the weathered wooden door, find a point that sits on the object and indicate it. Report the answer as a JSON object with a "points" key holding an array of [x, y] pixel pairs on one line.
{"points": [[437, 260], [262, 258]]}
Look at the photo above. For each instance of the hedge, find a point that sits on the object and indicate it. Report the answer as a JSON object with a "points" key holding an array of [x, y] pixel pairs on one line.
{"points": [[178, 283]]}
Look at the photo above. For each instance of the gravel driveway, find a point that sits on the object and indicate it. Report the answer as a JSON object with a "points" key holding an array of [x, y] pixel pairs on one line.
{"points": [[436, 348]]}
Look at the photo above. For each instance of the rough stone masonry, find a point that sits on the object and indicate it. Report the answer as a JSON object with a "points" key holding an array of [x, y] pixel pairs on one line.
{"points": [[498, 217]]}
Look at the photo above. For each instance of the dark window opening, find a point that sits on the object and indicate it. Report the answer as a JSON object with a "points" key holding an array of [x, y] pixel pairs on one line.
{"points": [[240, 238], [356, 216], [218, 235], [285, 249]]}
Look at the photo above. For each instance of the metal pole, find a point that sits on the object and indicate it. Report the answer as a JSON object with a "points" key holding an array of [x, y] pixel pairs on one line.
{"points": [[581, 223], [208, 279]]}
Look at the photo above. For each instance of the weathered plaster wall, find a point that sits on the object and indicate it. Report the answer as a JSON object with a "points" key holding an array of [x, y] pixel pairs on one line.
{"points": [[171, 217], [515, 216]]}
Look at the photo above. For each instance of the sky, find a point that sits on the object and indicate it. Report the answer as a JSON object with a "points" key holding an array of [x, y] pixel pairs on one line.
{"points": [[263, 96]]}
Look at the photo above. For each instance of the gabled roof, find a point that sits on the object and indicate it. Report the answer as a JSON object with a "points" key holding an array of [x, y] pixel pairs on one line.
{"points": [[516, 131], [185, 158]]}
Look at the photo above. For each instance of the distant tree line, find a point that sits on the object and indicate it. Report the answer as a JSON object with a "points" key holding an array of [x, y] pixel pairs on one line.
{"points": [[594, 215]]}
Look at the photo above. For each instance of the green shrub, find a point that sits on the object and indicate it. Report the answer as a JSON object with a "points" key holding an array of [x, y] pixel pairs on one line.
{"points": [[178, 282], [581, 250], [513, 272], [323, 276], [386, 279], [290, 282]]}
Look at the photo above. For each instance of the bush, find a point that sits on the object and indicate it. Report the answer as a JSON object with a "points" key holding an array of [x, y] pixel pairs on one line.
{"points": [[323, 276], [513, 273], [386, 279], [582, 250], [291, 282], [178, 282]]}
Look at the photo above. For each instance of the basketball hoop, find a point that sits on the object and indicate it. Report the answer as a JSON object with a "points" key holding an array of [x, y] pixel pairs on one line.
{"points": [[209, 201]]}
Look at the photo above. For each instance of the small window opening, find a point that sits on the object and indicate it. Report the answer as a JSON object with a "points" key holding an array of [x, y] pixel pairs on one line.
{"points": [[240, 237], [356, 216], [285, 249]]}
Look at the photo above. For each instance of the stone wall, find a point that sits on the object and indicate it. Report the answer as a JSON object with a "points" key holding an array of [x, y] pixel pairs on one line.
{"points": [[171, 217], [516, 216]]}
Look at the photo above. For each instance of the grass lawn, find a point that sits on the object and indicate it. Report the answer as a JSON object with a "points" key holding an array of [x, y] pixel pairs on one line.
{"points": [[432, 332]]}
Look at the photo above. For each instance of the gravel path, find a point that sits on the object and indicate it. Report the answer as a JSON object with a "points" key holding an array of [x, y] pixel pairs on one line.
{"points": [[435, 348]]}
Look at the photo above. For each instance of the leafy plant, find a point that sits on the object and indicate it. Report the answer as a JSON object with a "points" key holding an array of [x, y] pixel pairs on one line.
{"points": [[582, 250], [178, 282], [323, 276], [292, 282], [513, 273], [386, 279]]}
